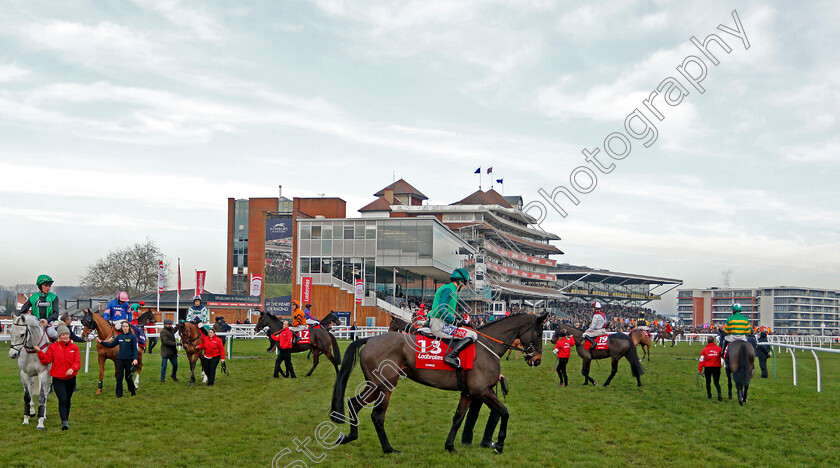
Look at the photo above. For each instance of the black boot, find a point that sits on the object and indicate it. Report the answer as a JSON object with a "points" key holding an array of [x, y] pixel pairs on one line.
{"points": [[451, 357]]}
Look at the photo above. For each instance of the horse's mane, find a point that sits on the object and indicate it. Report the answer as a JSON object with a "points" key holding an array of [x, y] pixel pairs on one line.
{"points": [[497, 321]]}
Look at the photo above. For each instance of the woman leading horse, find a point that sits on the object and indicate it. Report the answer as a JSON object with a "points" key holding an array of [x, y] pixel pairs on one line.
{"points": [[321, 341], [104, 330], [619, 346]]}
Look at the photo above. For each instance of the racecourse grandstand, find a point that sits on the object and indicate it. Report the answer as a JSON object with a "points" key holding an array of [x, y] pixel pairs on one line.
{"points": [[584, 284]]}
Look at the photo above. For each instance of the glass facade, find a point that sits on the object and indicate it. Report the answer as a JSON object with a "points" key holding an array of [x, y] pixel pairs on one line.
{"points": [[372, 249], [239, 284]]}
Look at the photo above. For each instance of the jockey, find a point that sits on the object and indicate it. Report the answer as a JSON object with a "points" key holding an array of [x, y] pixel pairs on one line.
{"points": [[668, 328], [737, 326], [598, 327], [310, 320], [135, 313], [116, 311], [198, 314], [43, 305], [298, 320], [443, 320], [642, 324]]}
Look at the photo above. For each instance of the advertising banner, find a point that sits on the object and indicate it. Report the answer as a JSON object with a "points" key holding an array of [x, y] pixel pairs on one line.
{"points": [[306, 289], [279, 275], [256, 285], [200, 276], [360, 290], [160, 276]]}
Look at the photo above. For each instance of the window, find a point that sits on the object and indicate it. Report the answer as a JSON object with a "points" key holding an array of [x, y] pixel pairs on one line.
{"points": [[316, 232], [305, 231], [348, 232], [360, 231], [326, 232], [325, 265], [370, 231], [304, 266], [315, 265]]}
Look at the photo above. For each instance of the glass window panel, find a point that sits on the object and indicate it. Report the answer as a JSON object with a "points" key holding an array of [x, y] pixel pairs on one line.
{"points": [[304, 265], [326, 232], [326, 247], [316, 232], [305, 231], [315, 265], [325, 265], [360, 231], [370, 231], [348, 232]]}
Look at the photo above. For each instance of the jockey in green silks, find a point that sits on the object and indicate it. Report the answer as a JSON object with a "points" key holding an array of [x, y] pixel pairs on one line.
{"points": [[444, 321]]}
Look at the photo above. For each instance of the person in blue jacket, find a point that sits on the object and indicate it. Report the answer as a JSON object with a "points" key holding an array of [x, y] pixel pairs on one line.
{"points": [[126, 358], [117, 310]]}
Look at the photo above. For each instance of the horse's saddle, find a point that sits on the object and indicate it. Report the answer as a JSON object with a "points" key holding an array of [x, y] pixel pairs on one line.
{"points": [[429, 354]]}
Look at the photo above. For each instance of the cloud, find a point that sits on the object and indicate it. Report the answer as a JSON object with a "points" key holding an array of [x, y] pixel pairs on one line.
{"points": [[198, 22], [12, 72]]}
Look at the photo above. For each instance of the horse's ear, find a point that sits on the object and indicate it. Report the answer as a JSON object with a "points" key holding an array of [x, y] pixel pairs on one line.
{"points": [[543, 317]]}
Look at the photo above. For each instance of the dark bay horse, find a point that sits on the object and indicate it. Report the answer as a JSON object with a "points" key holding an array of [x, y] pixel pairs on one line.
{"points": [[390, 356], [104, 330], [619, 346], [190, 339], [321, 341], [640, 337], [663, 335], [740, 365]]}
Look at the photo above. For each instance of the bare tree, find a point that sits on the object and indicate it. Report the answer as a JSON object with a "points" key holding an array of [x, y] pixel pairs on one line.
{"points": [[133, 269]]}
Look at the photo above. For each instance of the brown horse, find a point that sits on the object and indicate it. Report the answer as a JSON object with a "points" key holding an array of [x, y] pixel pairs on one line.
{"points": [[390, 356], [663, 335], [619, 346], [190, 339], [104, 330], [740, 365], [320, 341], [640, 337], [515, 345]]}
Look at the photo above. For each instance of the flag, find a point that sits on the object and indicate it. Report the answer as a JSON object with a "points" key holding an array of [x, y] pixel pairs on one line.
{"points": [[477, 171], [500, 181], [490, 170], [200, 277], [179, 275]]}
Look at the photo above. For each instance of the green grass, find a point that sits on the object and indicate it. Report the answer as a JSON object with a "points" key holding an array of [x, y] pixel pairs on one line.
{"points": [[249, 417]]}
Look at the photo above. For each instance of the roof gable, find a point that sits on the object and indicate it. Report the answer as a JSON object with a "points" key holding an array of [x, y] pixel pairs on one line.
{"points": [[401, 187]]}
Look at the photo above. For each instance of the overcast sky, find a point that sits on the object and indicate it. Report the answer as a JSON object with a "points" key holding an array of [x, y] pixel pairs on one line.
{"points": [[123, 121]]}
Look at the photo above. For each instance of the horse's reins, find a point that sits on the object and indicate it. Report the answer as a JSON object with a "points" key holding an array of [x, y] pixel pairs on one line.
{"points": [[26, 335], [527, 353]]}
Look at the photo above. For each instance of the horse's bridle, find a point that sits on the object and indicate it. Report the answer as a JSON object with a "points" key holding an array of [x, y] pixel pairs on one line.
{"points": [[192, 341], [26, 335], [528, 352]]}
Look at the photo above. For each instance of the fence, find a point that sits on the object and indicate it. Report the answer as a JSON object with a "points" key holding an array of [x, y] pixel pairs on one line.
{"points": [[813, 350]]}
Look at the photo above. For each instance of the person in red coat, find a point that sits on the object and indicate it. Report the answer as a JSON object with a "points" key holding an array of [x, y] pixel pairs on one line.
{"points": [[214, 350], [284, 355], [563, 349], [668, 327], [710, 366], [64, 356]]}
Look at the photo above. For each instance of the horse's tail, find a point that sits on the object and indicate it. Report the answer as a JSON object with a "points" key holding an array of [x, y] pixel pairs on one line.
{"points": [[635, 364], [742, 375], [336, 352], [350, 356]]}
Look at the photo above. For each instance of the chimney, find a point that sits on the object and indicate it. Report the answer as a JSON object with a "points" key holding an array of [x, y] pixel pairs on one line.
{"points": [[389, 196]]}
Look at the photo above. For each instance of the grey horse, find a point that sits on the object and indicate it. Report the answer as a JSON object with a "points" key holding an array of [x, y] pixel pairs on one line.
{"points": [[26, 333]]}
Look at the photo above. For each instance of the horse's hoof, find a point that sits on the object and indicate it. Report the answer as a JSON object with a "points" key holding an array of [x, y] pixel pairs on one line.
{"points": [[498, 449], [42, 428], [391, 450], [451, 449]]}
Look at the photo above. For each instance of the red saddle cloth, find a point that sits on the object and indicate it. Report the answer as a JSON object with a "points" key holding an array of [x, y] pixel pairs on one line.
{"points": [[303, 336], [600, 342], [429, 354]]}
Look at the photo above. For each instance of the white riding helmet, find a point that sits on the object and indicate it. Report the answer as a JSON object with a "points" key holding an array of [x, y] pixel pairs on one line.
{"points": [[597, 304]]}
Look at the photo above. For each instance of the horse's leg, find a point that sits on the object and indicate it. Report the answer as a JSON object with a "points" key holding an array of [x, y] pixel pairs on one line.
{"points": [[585, 371], [44, 383], [494, 404], [27, 397], [613, 371], [355, 404], [192, 359], [378, 418], [139, 369], [729, 381], [102, 374], [316, 354], [460, 412]]}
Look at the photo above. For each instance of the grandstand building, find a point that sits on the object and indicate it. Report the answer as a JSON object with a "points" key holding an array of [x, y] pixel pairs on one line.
{"points": [[512, 261], [584, 284], [783, 309]]}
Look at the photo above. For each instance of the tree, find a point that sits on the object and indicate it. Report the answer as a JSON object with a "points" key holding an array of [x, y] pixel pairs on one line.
{"points": [[133, 269]]}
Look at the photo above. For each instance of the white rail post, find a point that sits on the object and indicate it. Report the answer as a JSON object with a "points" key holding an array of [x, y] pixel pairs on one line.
{"points": [[793, 356], [87, 357], [819, 379]]}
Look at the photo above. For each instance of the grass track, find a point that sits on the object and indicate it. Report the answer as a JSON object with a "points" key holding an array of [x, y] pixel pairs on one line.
{"points": [[249, 417]]}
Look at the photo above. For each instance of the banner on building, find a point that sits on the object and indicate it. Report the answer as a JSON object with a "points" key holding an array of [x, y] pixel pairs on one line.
{"points": [[256, 285], [360, 290], [306, 289], [279, 275], [160, 276], [200, 276]]}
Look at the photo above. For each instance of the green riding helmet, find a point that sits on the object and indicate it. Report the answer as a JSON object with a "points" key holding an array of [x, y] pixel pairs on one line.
{"points": [[460, 274], [737, 308], [44, 279]]}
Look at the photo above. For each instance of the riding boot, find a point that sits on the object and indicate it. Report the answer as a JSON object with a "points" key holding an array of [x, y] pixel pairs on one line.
{"points": [[451, 357]]}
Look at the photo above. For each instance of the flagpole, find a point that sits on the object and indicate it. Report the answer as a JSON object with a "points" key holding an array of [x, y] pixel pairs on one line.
{"points": [[178, 293]]}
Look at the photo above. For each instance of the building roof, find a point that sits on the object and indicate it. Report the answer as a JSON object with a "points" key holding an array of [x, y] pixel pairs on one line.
{"points": [[609, 277], [401, 187], [480, 197], [527, 290], [380, 204]]}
